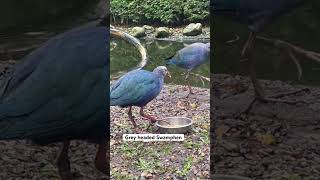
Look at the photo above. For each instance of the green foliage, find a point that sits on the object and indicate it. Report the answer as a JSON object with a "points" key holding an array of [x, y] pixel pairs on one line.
{"points": [[159, 11]]}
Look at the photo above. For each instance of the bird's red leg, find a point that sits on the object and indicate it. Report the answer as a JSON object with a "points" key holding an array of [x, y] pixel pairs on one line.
{"points": [[190, 90], [189, 86], [136, 129], [259, 93], [63, 162], [152, 119], [101, 158], [131, 117], [247, 52]]}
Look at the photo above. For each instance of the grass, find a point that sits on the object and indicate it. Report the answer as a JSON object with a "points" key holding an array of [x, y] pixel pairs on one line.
{"points": [[123, 176], [186, 167], [148, 166], [167, 149]]}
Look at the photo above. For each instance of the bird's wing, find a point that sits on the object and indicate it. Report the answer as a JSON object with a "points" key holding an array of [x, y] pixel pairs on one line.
{"points": [[133, 88], [48, 90]]}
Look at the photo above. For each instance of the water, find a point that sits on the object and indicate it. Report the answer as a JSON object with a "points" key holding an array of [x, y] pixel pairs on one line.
{"points": [[300, 27], [124, 57], [21, 33]]}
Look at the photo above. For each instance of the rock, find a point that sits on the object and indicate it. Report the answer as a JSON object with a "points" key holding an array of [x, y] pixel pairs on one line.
{"points": [[193, 29], [138, 32], [162, 32], [149, 29]]}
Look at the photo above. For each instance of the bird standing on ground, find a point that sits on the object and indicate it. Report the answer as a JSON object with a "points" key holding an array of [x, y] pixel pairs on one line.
{"points": [[137, 88], [257, 14], [60, 93], [191, 57]]}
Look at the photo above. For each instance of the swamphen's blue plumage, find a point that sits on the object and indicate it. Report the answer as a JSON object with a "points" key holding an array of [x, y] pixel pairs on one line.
{"points": [[56, 93], [138, 88], [60, 92], [256, 14], [191, 57]]}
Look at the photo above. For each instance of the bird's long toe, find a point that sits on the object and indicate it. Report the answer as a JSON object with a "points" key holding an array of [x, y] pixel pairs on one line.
{"points": [[272, 99]]}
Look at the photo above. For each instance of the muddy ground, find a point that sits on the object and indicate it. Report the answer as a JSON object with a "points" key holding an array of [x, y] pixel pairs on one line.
{"points": [[272, 141], [163, 160]]}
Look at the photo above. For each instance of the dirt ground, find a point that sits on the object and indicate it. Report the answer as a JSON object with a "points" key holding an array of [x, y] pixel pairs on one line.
{"points": [[163, 160], [272, 141]]}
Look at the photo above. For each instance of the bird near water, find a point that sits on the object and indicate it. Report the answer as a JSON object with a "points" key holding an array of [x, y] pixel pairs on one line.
{"points": [[59, 93], [190, 57], [137, 88], [257, 14]]}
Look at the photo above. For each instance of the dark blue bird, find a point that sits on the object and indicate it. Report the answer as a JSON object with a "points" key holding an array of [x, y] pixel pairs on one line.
{"points": [[191, 57], [257, 14], [137, 88], [60, 93]]}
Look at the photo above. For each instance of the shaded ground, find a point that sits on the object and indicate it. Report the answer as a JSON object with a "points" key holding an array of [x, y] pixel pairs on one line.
{"points": [[163, 160], [22, 160], [275, 140]]}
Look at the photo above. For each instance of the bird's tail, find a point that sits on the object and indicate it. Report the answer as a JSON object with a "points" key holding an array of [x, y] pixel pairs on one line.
{"points": [[170, 60]]}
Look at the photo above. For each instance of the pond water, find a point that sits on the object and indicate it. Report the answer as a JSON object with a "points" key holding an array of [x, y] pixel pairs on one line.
{"points": [[124, 57], [300, 27]]}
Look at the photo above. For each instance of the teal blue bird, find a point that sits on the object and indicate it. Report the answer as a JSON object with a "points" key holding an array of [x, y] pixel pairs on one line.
{"points": [[137, 88], [190, 57], [59, 93]]}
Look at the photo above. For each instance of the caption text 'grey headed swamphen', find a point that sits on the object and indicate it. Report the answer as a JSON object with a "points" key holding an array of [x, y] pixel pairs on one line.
{"points": [[137, 88], [60, 93], [191, 57], [257, 14]]}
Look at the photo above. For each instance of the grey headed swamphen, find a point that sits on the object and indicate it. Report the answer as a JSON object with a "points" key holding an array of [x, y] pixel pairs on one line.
{"points": [[137, 88], [60, 93], [191, 57], [257, 14]]}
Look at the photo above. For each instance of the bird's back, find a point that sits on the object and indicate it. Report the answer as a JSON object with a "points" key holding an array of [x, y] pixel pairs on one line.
{"points": [[59, 90], [135, 88], [255, 13]]}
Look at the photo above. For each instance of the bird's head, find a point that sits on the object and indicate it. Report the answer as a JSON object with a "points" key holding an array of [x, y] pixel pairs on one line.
{"points": [[162, 70], [132, 40]]}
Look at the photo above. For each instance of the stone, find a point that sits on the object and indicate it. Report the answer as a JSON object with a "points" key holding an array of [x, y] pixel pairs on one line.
{"points": [[193, 29], [138, 32], [162, 32], [149, 29]]}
